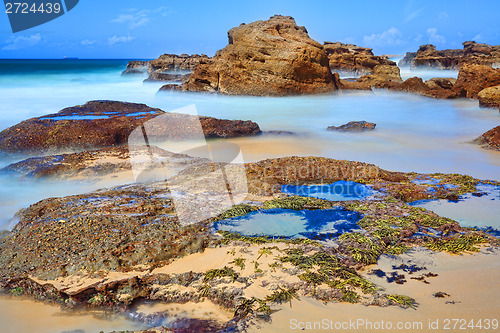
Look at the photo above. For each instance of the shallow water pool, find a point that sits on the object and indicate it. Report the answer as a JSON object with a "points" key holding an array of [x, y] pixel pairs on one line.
{"points": [[288, 223]]}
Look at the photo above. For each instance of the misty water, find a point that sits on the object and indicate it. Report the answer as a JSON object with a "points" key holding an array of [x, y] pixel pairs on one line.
{"points": [[413, 133]]}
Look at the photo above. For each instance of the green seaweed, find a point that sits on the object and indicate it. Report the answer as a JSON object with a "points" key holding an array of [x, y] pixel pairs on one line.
{"points": [[283, 296], [403, 301], [18, 291], [220, 273], [298, 203], [457, 244], [235, 211]]}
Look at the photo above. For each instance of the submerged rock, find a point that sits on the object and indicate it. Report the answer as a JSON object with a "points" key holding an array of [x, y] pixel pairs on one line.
{"points": [[266, 58], [353, 126], [472, 53], [490, 139], [99, 124]]}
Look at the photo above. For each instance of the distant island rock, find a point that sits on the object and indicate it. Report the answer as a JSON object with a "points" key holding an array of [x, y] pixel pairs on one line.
{"points": [[99, 124], [472, 53], [275, 57]]}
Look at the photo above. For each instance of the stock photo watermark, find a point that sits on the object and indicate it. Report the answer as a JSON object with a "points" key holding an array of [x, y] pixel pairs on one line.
{"points": [[27, 14]]}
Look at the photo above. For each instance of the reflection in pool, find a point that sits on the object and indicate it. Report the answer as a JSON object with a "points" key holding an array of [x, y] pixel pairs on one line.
{"points": [[288, 223], [338, 191], [480, 209]]}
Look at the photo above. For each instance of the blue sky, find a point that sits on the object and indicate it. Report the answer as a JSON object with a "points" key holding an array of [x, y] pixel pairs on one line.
{"points": [[147, 29]]}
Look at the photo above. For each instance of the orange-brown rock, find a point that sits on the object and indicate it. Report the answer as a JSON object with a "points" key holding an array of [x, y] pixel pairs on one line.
{"points": [[489, 96], [472, 53], [275, 57], [352, 58], [174, 62], [99, 124], [490, 139], [474, 78]]}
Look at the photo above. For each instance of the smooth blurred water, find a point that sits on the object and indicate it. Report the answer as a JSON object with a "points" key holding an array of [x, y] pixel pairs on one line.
{"points": [[471, 210]]}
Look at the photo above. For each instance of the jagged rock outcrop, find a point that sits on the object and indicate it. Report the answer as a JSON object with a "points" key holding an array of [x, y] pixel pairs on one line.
{"points": [[489, 96], [472, 53], [474, 78], [353, 126], [99, 124], [352, 58], [173, 62], [275, 57], [136, 67], [471, 80], [379, 75], [157, 76], [164, 63]]}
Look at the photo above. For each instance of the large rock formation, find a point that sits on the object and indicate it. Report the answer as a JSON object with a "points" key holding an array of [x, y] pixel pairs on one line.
{"points": [[99, 124], [472, 53], [352, 58], [266, 58]]}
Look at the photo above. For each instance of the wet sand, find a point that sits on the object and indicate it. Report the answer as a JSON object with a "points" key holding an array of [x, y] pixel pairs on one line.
{"points": [[472, 281], [18, 315]]}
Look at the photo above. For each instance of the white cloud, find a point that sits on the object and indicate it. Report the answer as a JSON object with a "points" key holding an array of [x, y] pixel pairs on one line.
{"points": [[136, 18], [87, 42], [133, 20], [434, 38], [418, 38], [477, 38], [123, 39], [412, 10], [389, 37], [21, 42]]}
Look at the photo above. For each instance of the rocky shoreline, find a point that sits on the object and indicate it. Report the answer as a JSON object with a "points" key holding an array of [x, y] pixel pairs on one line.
{"points": [[276, 57], [124, 249], [115, 247], [102, 124]]}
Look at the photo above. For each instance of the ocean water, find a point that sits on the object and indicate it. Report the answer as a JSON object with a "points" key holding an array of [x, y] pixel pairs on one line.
{"points": [[413, 133]]}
